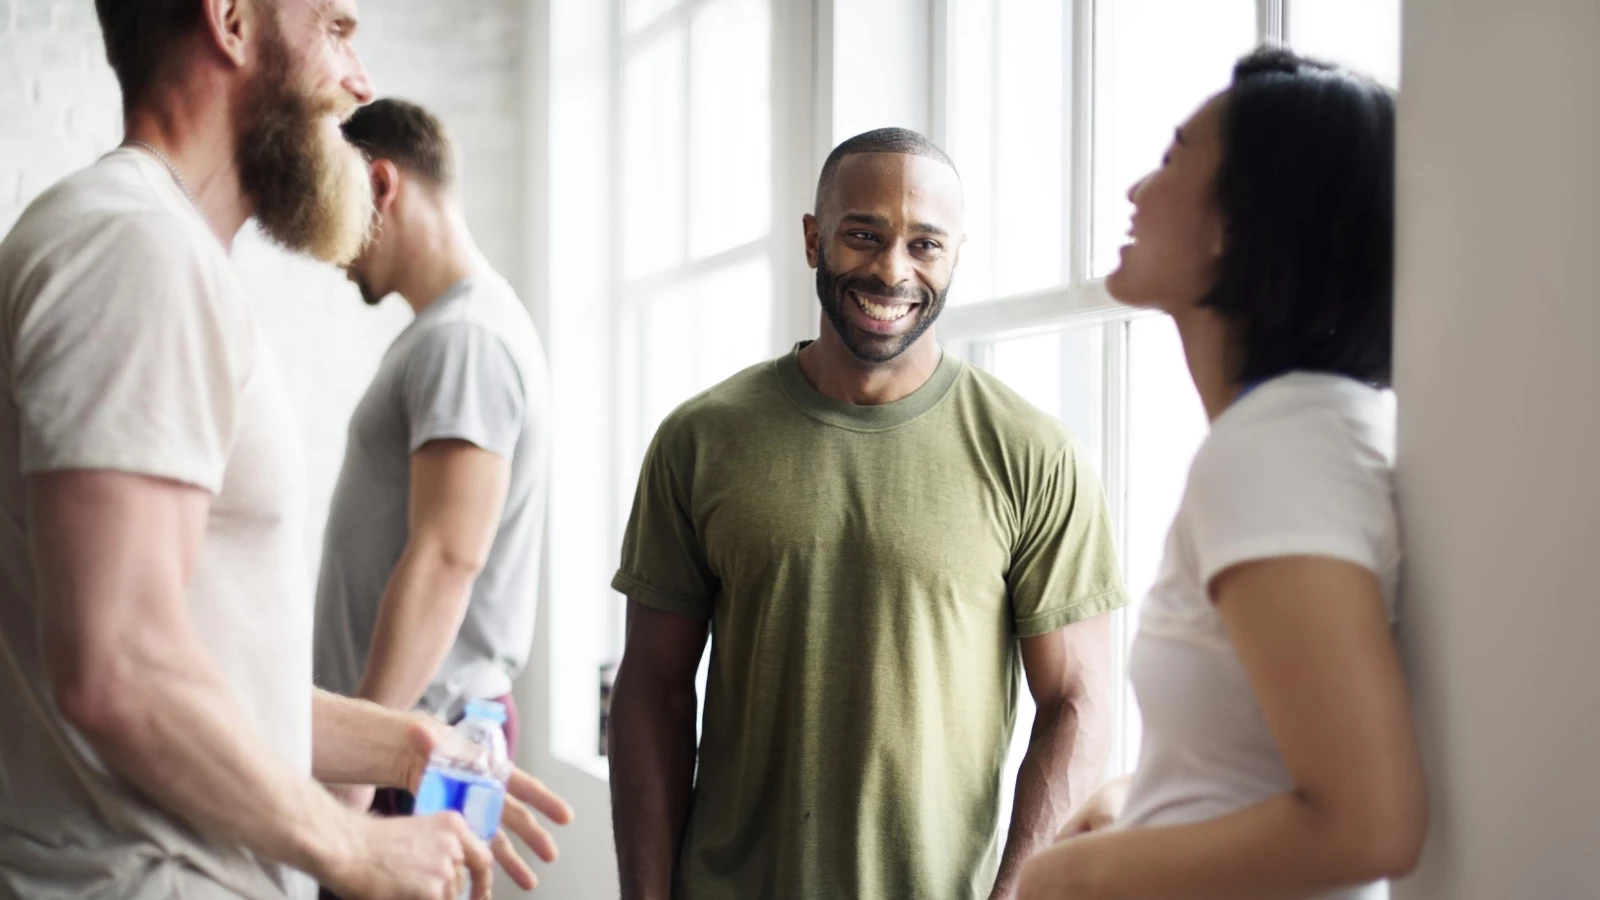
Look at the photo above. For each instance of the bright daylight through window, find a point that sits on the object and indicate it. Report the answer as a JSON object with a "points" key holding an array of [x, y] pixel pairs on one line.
{"points": [[672, 254]]}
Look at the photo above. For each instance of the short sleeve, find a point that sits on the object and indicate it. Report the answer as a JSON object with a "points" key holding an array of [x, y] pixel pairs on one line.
{"points": [[459, 381], [663, 559], [128, 360], [1064, 567], [1301, 488]]}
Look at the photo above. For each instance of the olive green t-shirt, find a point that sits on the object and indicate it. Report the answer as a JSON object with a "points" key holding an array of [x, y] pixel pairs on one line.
{"points": [[867, 571]]}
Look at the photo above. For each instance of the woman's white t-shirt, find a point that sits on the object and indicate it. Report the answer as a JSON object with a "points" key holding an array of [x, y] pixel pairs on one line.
{"points": [[1300, 466]]}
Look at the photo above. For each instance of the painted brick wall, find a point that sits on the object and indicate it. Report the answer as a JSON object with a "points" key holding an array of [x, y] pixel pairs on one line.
{"points": [[60, 109]]}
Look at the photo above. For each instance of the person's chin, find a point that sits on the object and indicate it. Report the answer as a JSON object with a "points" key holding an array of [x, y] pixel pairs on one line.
{"points": [[872, 347], [1123, 286]]}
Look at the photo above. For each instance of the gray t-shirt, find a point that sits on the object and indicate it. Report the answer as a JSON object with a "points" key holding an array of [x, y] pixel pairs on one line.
{"points": [[471, 368]]}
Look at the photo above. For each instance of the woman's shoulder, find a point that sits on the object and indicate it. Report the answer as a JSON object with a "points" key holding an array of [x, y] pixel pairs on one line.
{"points": [[1306, 417]]}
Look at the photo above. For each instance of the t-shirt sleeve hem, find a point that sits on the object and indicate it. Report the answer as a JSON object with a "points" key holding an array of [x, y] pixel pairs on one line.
{"points": [[656, 598], [1077, 611], [1221, 559], [194, 476], [501, 445]]}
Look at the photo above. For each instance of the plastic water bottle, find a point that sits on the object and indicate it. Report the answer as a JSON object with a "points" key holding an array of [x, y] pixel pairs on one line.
{"points": [[473, 785]]}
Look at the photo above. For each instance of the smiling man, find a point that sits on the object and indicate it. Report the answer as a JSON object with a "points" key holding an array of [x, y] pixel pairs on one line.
{"points": [[881, 542]]}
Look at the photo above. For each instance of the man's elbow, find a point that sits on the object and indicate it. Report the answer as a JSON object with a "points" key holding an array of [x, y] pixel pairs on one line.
{"points": [[98, 694], [638, 691], [457, 564]]}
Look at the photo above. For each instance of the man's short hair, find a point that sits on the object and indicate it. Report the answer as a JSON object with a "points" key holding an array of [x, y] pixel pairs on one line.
{"points": [[140, 36], [882, 140], [408, 136]]}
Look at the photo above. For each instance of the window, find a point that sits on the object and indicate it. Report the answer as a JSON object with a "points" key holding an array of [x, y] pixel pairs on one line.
{"points": [[1053, 111], [685, 140], [661, 211]]}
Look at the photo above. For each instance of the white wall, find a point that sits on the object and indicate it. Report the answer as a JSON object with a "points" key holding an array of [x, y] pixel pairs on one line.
{"points": [[464, 59], [60, 109], [1499, 380]]}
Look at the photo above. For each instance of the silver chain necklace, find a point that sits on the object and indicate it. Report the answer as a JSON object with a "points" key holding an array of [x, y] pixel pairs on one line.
{"points": [[170, 168]]}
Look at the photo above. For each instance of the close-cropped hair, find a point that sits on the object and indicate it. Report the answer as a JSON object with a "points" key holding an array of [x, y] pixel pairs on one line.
{"points": [[408, 136], [880, 140], [139, 37], [1306, 187]]}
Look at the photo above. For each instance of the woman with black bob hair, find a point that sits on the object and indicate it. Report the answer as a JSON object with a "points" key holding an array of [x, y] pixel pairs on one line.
{"points": [[1278, 758]]}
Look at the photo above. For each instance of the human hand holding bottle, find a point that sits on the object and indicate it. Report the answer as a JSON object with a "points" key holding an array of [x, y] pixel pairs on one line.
{"points": [[523, 795], [413, 858]]}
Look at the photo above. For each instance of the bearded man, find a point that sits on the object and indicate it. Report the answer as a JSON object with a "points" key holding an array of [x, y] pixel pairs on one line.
{"points": [[161, 733], [882, 540]]}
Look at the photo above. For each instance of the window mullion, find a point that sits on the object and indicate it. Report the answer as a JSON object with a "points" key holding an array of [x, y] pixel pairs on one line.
{"points": [[1080, 158], [1272, 21], [940, 70], [623, 388], [1114, 453]]}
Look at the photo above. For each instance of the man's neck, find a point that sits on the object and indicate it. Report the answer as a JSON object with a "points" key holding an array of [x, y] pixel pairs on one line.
{"points": [[836, 372], [450, 257], [197, 137]]}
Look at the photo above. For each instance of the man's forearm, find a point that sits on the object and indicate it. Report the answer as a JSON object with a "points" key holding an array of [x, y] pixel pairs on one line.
{"points": [[652, 747], [1060, 769], [360, 742], [417, 625], [176, 733]]}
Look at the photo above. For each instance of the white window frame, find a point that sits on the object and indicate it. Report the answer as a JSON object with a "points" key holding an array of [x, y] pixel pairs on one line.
{"points": [[970, 330], [802, 94]]}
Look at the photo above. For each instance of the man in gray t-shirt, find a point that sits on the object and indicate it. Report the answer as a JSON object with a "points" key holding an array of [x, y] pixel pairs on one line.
{"points": [[430, 562]]}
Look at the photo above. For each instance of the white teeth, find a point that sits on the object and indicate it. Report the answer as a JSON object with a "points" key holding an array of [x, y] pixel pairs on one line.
{"points": [[881, 313]]}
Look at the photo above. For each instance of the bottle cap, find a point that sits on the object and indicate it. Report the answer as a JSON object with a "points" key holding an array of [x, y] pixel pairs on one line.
{"points": [[493, 710]]}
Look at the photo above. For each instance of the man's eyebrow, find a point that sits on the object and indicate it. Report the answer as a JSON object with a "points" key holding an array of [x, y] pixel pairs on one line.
{"points": [[872, 219]]}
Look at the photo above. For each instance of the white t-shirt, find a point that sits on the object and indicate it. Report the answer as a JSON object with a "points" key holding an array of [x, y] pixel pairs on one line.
{"points": [[126, 344], [1301, 466]]}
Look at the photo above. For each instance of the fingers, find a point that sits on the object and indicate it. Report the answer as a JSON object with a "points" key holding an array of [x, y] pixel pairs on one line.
{"points": [[532, 791], [480, 863], [521, 822], [506, 855]]}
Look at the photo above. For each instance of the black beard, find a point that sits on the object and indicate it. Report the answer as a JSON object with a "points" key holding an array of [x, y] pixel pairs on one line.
{"points": [[832, 291]]}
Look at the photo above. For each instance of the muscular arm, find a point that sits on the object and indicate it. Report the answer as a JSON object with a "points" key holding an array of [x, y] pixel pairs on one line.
{"points": [[1069, 676], [1314, 640], [652, 746], [114, 554], [457, 493]]}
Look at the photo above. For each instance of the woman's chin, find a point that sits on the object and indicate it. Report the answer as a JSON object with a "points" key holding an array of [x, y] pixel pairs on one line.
{"points": [[1123, 288]]}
